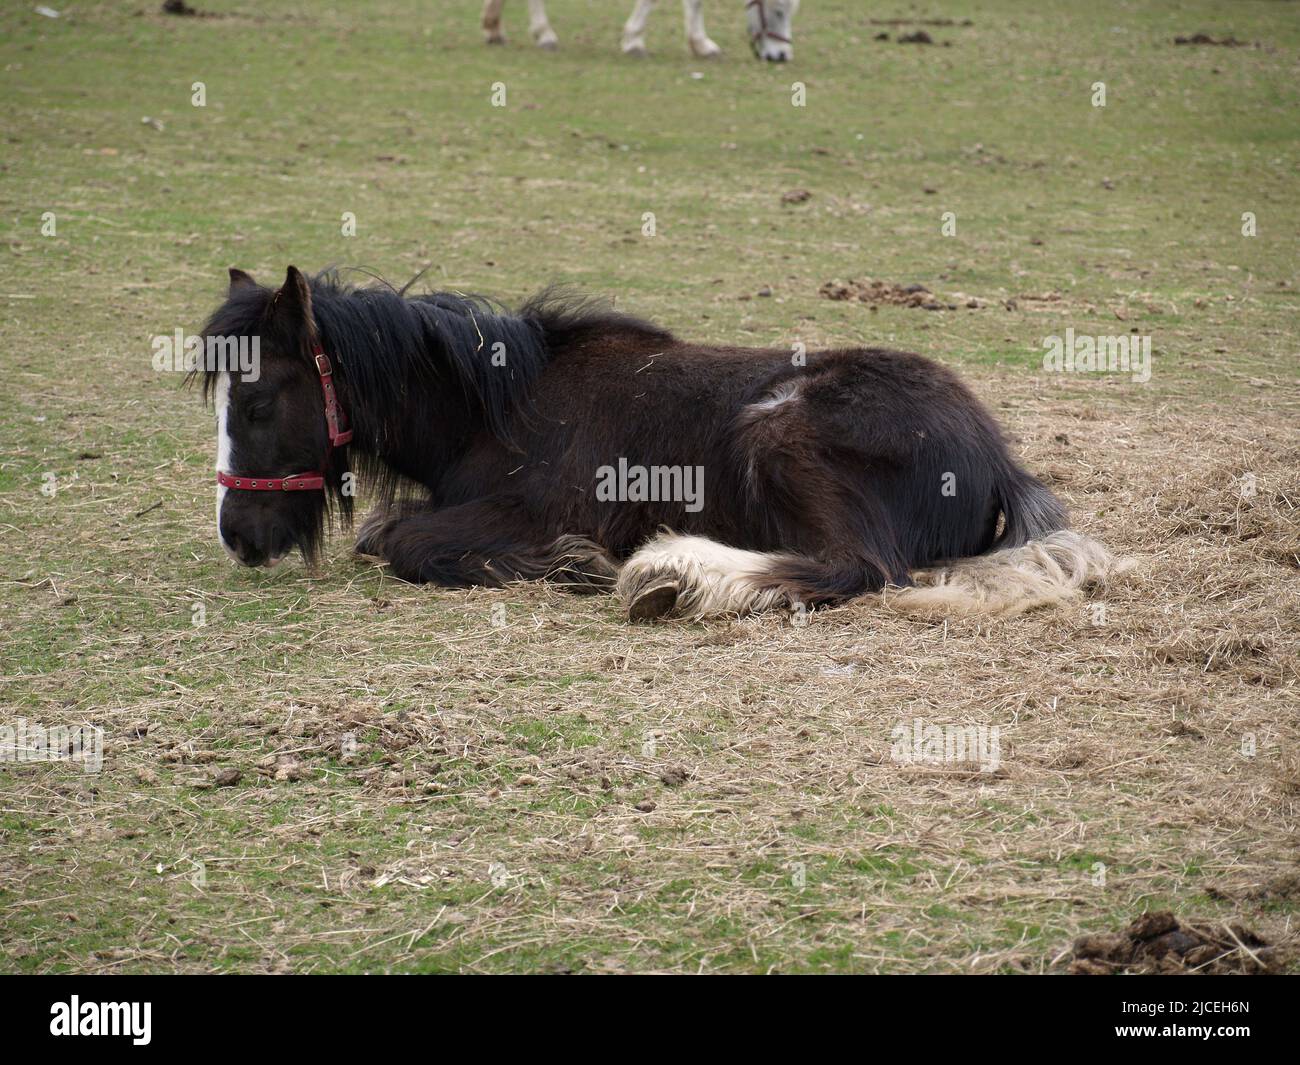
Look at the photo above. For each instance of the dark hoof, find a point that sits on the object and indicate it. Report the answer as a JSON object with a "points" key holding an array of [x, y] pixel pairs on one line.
{"points": [[371, 535], [654, 600]]}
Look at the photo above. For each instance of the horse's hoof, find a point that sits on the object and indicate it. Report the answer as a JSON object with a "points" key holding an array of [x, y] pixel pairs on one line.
{"points": [[636, 50], [654, 600], [548, 42], [372, 533], [705, 49], [496, 38]]}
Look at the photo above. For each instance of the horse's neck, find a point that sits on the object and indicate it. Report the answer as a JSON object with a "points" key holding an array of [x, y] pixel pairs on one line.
{"points": [[414, 428], [417, 414]]}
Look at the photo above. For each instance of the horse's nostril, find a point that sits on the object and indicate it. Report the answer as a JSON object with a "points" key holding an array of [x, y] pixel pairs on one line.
{"points": [[247, 554]]}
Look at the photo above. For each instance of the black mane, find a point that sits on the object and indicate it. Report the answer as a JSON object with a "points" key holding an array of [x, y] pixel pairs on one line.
{"points": [[381, 340]]}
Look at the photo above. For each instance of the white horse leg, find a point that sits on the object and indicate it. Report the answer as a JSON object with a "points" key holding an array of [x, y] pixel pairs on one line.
{"points": [[634, 28], [540, 27], [696, 36], [492, 21]]}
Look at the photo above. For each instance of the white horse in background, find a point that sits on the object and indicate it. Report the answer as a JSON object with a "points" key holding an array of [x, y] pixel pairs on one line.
{"points": [[770, 27]]}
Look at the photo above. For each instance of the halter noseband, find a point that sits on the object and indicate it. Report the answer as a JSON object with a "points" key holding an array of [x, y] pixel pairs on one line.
{"points": [[756, 38], [313, 480]]}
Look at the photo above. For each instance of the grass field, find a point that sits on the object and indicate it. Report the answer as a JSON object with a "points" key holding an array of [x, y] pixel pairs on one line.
{"points": [[518, 780]]}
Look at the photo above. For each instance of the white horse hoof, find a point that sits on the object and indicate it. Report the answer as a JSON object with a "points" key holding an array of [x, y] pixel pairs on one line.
{"points": [[548, 41], [705, 49], [636, 49]]}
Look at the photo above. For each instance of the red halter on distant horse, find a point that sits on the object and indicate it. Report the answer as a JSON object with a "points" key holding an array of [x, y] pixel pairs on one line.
{"points": [[312, 480]]}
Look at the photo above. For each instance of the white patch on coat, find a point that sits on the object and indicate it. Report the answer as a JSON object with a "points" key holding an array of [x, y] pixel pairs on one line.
{"points": [[753, 415], [784, 393]]}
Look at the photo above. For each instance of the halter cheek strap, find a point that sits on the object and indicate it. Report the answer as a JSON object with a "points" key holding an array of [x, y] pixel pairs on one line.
{"points": [[335, 422], [756, 38]]}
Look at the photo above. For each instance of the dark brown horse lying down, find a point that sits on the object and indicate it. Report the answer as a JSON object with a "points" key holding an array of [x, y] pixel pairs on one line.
{"points": [[570, 443]]}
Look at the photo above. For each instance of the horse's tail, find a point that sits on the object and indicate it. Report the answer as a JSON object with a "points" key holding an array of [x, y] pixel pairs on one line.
{"points": [[1036, 561], [1029, 509]]}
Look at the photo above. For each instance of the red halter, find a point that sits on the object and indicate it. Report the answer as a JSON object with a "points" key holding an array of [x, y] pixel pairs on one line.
{"points": [[755, 39], [313, 480]]}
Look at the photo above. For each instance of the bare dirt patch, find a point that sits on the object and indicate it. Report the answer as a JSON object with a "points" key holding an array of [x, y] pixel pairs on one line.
{"points": [[1217, 42], [876, 293], [919, 22]]}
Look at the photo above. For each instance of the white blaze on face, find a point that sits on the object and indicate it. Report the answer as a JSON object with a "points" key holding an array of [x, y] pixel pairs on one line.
{"points": [[224, 448]]}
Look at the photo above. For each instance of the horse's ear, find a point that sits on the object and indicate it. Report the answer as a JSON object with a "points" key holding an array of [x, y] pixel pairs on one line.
{"points": [[240, 279], [293, 302]]}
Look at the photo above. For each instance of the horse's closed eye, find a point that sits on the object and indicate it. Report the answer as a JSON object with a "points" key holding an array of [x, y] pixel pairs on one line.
{"points": [[258, 412]]}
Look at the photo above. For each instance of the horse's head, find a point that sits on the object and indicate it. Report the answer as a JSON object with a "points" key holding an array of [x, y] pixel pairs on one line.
{"points": [[771, 28], [279, 427]]}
